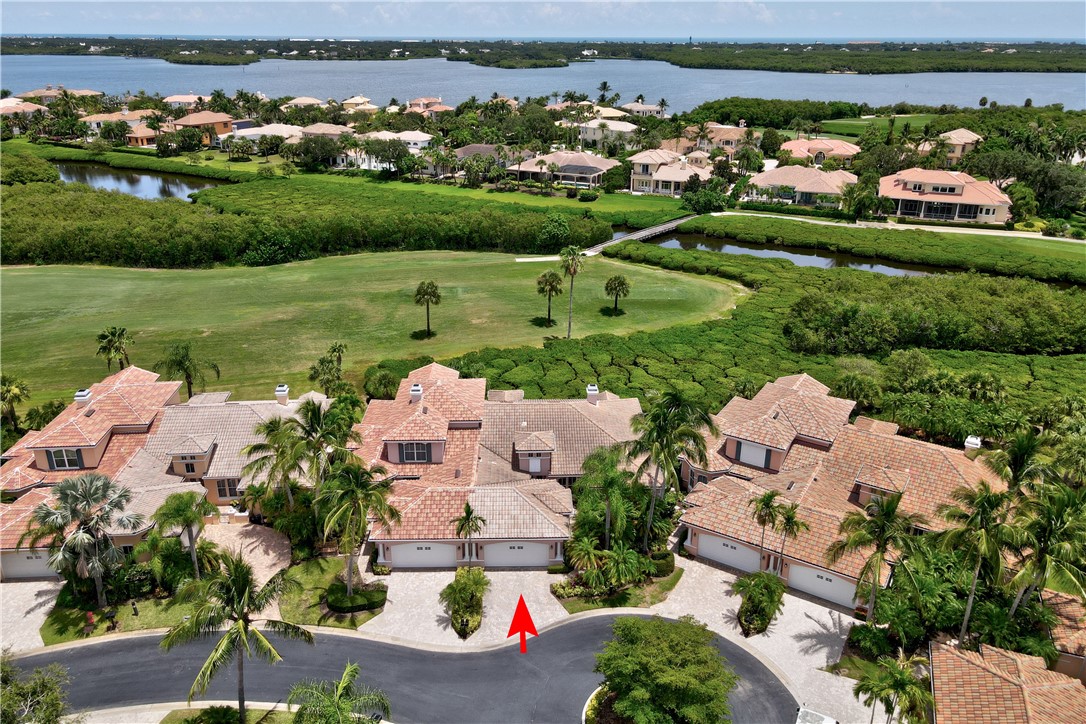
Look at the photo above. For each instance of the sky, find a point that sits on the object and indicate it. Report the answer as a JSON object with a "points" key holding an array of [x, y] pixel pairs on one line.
{"points": [[575, 19]]}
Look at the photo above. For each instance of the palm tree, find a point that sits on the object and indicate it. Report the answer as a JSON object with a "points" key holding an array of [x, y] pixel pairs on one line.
{"points": [[279, 456], [584, 553], [427, 293], [352, 496], [980, 529], [1020, 462], [604, 478], [617, 286], [113, 343], [324, 702], [572, 261], [663, 104], [873, 687], [623, 566], [12, 392], [180, 362], [1052, 526], [789, 525], [904, 690], [228, 603], [549, 283], [765, 513], [468, 524], [187, 511], [88, 506], [672, 428], [881, 529]]}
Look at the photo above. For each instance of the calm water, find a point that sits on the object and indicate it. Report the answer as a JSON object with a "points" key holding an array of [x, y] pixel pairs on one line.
{"points": [[144, 184], [684, 88], [799, 257]]}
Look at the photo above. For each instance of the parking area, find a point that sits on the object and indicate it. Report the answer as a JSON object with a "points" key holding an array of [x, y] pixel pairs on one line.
{"points": [[23, 608]]}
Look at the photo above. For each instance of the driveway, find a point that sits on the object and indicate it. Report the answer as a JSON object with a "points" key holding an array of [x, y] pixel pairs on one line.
{"points": [[414, 613], [23, 608], [265, 549]]}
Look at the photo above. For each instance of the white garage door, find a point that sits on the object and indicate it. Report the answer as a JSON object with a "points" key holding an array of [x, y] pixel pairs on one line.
{"points": [[823, 584], [423, 555], [516, 553], [727, 552], [26, 564]]}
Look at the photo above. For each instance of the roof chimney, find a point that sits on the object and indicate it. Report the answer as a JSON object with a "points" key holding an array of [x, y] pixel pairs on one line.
{"points": [[593, 394], [82, 398], [416, 392], [282, 394], [972, 442]]}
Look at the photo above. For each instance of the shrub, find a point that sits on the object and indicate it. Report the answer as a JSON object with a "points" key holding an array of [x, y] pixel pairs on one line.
{"points": [[217, 715], [871, 641], [133, 581], [379, 569], [796, 210], [588, 196], [663, 563], [571, 193], [558, 568], [763, 596], [365, 598], [463, 600]]}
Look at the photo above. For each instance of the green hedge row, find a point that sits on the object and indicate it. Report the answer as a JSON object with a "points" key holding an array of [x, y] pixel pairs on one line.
{"points": [[795, 210], [989, 254], [138, 161]]}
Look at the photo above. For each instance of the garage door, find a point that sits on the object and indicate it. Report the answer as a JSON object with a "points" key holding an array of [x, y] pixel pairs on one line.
{"points": [[516, 553], [727, 552], [24, 564], [423, 555], [830, 586]]}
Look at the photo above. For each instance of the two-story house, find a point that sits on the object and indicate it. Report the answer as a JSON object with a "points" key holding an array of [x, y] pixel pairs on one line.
{"points": [[945, 196], [958, 142], [658, 171], [644, 109], [360, 104], [50, 93], [132, 118], [212, 124], [184, 101]]}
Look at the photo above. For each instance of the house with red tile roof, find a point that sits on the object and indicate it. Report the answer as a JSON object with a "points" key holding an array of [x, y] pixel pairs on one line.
{"points": [[800, 185], [819, 149], [1069, 633], [959, 142], [446, 442], [1000, 687], [945, 196], [793, 437], [579, 168], [211, 123]]}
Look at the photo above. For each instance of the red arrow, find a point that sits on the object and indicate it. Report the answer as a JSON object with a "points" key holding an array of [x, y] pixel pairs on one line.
{"points": [[522, 624]]}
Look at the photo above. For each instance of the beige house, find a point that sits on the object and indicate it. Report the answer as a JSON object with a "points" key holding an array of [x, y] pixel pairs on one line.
{"points": [[578, 168], [303, 102], [446, 442], [820, 149], [656, 171], [132, 118], [644, 110], [326, 130], [49, 93], [799, 185], [945, 196], [794, 438], [184, 101], [358, 103], [959, 142], [597, 130]]}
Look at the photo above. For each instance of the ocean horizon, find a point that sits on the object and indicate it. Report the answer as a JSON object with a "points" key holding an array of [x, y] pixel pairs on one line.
{"points": [[526, 39]]}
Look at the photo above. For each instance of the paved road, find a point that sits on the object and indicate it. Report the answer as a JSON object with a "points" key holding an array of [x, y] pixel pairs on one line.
{"points": [[549, 684]]}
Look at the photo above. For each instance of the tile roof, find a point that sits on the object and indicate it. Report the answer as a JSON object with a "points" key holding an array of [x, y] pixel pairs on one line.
{"points": [[983, 193], [809, 147], [792, 406], [681, 171], [17, 106], [1069, 634], [542, 440], [568, 162], [326, 129], [15, 517], [150, 483], [1001, 687], [203, 118], [962, 136], [304, 101], [805, 179], [118, 116]]}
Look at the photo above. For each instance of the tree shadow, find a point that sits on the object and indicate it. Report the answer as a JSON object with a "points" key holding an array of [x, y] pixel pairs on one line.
{"points": [[542, 322], [822, 637], [609, 311], [420, 334]]}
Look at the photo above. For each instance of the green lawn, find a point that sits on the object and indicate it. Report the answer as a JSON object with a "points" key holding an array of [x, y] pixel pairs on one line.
{"points": [[643, 596], [305, 606], [252, 716], [66, 624], [856, 126], [266, 325]]}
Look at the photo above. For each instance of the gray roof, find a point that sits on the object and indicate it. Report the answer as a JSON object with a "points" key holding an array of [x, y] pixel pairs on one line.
{"points": [[147, 478]]}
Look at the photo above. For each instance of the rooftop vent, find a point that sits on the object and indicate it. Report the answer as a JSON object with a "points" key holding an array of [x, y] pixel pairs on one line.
{"points": [[457, 473], [416, 392], [593, 394], [282, 394], [972, 442], [82, 397]]}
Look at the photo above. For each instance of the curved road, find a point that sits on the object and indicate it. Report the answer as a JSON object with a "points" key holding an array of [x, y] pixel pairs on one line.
{"points": [[549, 684]]}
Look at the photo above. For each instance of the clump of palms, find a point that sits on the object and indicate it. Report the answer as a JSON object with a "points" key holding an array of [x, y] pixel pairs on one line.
{"points": [[169, 564], [88, 508], [427, 293], [572, 262], [763, 600], [325, 702], [463, 600], [185, 511], [899, 685], [469, 523], [549, 284], [605, 480], [113, 344], [181, 362], [227, 605]]}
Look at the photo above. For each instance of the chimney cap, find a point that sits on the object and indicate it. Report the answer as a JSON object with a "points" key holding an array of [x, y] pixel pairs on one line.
{"points": [[593, 387], [281, 389], [83, 394], [973, 442], [416, 387]]}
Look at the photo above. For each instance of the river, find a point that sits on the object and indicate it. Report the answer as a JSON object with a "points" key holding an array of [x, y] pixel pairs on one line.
{"points": [[144, 184], [684, 88]]}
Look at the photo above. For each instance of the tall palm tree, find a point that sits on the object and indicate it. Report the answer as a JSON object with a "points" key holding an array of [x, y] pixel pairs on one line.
{"points": [[113, 344], [672, 428], [180, 362], [427, 293], [617, 286], [549, 283], [12, 392], [468, 524], [789, 525], [906, 692], [1052, 525], [585, 554], [878, 531], [1021, 462], [350, 498], [279, 456], [572, 261], [603, 477], [342, 702], [873, 687], [980, 529], [765, 513], [186, 511], [227, 605], [87, 508]]}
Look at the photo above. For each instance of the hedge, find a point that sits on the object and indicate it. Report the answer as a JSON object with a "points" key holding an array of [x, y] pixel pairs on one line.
{"points": [[795, 210], [137, 160], [364, 599], [663, 562]]}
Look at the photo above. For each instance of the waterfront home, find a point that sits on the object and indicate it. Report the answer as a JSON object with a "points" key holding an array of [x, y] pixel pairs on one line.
{"points": [[212, 124], [958, 142], [358, 103], [799, 185], [420, 105], [945, 196], [796, 439], [132, 118], [16, 109], [579, 168], [302, 102], [598, 130], [607, 113], [643, 109], [819, 149], [255, 133], [996, 685], [48, 94], [446, 442], [142, 137], [657, 171], [326, 130], [184, 101]]}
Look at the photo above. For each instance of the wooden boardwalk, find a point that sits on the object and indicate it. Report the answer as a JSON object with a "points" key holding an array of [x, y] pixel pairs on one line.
{"points": [[639, 235]]}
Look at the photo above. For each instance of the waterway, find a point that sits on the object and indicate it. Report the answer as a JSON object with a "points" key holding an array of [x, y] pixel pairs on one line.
{"points": [[454, 82], [800, 257], [144, 184]]}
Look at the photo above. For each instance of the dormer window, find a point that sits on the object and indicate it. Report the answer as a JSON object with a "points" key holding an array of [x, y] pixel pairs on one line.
{"points": [[414, 452], [64, 459]]}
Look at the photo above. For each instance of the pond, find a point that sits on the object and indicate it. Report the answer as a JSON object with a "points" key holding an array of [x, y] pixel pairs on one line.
{"points": [[144, 184], [800, 257]]}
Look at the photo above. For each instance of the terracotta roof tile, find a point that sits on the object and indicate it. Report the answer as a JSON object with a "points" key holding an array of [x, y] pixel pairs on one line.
{"points": [[1069, 634]]}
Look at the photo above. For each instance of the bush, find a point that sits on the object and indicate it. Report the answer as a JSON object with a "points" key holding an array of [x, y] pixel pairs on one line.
{"points": [[871, 641], [763, 596], [571, 193], [558, 568], [217, 715], [663, 563], [796, 210], [365, 598], [588, 196], [379, 569], [463, 600], [24, 168], [132, 581]]}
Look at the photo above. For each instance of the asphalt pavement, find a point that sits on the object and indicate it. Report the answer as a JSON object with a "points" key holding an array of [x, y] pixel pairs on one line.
{"points": [[548, 684]]}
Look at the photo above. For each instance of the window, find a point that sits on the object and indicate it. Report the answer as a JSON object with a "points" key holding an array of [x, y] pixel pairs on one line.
{"points": [[644, 168], [918, 187], [414, 452], [188, 457], [127, 550], [190, 468], [228, 487], [64, 459]]}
